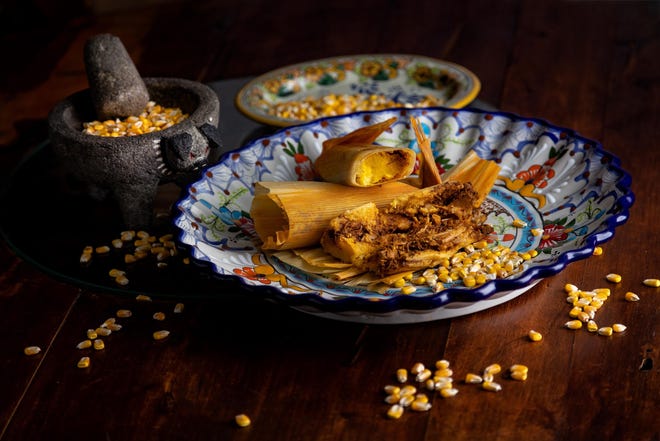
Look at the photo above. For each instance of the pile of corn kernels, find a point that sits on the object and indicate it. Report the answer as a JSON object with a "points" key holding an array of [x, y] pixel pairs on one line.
{"points": [[154, 118]]}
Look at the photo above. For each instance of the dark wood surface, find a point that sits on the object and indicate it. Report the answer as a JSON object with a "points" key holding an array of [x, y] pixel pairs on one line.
{"points": [[588, 65]]}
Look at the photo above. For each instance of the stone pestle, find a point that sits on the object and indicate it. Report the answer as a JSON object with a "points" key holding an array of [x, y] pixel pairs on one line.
{"points": [[116, 87]]}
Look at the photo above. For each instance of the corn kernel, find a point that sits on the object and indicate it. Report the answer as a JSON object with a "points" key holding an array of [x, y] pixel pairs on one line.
{"points": [[443, 373], [493, 369], [143, 298], [160, 316], [518, 375], [402, 375], [442, 383], [83, 362], [417, 368], [575, 312], [408, 289], [442, 364], [618, 327], [613, 277], [31, 350], [534, 335], [420, 406], [124, 313], [242, 420], [517, 223], [448, 392], [473, 378], [408, 390], [573, 324], [605, 331], [598, 251], [84, 344], [114, 327], [178, 308], [406, 400], [395, 411], [393, 398], [103, 332], [91, 334], [423, 376], [391, 389], [98, 344], [121, 280], [653, 283], [160, 335], [491, 386], [631, 297], [569, 288], [592, 326]]}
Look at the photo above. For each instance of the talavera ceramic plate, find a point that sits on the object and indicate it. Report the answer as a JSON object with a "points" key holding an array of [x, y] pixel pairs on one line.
{"points": [[553, 179], [299, 93]]}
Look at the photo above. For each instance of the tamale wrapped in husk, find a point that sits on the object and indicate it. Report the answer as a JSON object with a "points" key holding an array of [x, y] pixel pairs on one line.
{"points": [[294, 214], [354, 160]]}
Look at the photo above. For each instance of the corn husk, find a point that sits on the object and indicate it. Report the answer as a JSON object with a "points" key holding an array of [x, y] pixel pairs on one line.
{"points": [[294, 214], [481, 173], [354, 160]]}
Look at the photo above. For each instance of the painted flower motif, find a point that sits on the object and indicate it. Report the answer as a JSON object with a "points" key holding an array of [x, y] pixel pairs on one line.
{"points": [[537, 175], [303, 168], [553, 234], [249, 273]]}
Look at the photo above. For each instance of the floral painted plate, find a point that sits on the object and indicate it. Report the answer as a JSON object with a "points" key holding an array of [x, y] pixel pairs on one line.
{"points": [[341, 85], [563, 186]]}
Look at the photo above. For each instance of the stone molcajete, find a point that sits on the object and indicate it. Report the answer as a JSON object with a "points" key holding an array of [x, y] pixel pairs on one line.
{"points": [[131, 168]]}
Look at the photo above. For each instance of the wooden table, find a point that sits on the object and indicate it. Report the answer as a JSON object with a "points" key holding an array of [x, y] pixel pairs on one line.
{"points": [[591, 66]]}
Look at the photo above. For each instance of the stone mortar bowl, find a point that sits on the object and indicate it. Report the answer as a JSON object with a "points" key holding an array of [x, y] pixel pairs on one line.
{"points": [[130, 168]]}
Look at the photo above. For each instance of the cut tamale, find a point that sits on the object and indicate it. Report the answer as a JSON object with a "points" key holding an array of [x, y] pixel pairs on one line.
{"points": [[415, 231], [354, 160], [294, 214]]}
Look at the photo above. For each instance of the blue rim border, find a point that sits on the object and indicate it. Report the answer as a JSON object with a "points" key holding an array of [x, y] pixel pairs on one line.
{"points": [[619, 214]]}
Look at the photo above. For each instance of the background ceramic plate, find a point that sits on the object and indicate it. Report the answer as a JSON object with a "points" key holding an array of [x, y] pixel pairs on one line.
{"points": [[401, 80], [551, 178]]}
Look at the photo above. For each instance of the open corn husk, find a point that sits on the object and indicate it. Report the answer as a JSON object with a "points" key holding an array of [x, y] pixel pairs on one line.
{"points": [[354, 160], [295, 214]]}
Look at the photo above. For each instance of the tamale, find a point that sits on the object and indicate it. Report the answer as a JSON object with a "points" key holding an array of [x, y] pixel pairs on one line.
{"points": [[354, 160], [294, 214]]}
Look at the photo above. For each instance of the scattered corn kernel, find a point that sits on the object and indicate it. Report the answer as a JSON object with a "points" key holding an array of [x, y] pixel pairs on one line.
{"points": [[491, 386], [605, 331], [160, 316], [178, 308], [473, 378], [91, 334], [402, 375], [98, 344], [160, 335], [83, 363], [124, 313], [442, 364], [242, 420], [429, 384], [598, 251], [31, 350], [114, 327], [417, 368], [393, 399], [534, 335], [121, 280], [518, 223], [395, 411], [406, 400], [613, 277], [423, 376], [569, 288], [143, 298], [448, 392], [420, 406], [653, 283], [618, 327], [518, 375], [592, 326], [84, 344], [408, 390], [446, 372], [631, 297], [391, 389], [493, 369], [573, 324], [103, 332]]}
